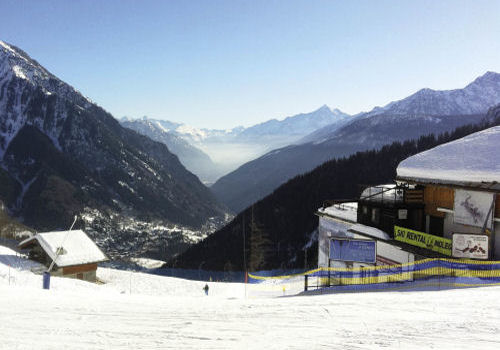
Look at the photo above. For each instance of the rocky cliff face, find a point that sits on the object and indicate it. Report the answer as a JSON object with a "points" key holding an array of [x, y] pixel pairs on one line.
{"points": [[194, 159]]}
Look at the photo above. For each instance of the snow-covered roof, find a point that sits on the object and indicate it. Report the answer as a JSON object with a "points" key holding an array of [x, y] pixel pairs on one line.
{"points": [[370, 231], [77, 247], [345, 211], [471, 160]]}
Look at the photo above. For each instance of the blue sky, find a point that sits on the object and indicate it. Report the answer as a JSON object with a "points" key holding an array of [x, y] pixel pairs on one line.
{"points": [[220, 64]]}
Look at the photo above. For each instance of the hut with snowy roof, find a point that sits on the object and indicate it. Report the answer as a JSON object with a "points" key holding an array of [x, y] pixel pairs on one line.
{"points": [[74, 254], [460, 181]]}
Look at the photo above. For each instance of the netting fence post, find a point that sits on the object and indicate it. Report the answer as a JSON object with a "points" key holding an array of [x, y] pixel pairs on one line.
{"points": [[440, 270]]}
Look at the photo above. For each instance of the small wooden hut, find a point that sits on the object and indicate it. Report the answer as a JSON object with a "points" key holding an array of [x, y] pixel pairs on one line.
{"points": [[74, 254]]}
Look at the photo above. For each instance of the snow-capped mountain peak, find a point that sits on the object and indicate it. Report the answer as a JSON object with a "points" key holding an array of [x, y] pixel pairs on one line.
{"points": [[20, 75], [14, 62], [20, 63], [475, 98]]}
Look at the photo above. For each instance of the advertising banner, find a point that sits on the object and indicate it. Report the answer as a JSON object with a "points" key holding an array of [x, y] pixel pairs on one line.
{"points": [[329, 228], [423, 240], [353, 250], [472, 208], [470, 246]]}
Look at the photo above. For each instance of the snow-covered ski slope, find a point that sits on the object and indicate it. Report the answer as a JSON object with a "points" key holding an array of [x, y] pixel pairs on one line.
{"points": [[140, 311]]}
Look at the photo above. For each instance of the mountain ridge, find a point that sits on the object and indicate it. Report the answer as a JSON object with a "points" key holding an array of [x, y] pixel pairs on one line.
{"points": [[58, 146], [472, 99]]}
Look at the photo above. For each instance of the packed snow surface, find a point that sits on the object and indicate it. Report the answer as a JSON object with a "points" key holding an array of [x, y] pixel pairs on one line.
{"points": [[472, 159], [140, 311], [346, 211]]}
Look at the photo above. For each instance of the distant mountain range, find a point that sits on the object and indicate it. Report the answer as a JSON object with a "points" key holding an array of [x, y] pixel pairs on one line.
{"points": [[61, 155], [424, 112], [295, 127], [194, 159], [233, 147]]}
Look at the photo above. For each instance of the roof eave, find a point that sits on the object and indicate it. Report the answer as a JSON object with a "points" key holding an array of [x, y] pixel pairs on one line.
{"points": [[82, 263], [493, 185]]}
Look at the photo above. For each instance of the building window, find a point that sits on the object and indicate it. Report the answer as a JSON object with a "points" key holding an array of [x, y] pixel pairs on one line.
{"points": [[376, 215], [436, 225], [416, 220]]}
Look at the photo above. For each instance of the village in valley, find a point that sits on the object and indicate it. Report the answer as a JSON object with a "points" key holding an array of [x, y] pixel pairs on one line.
{"points": [[321, 229]]}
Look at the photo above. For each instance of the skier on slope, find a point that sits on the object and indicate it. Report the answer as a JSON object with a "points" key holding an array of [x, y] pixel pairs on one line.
{"points": [[206, 289]]}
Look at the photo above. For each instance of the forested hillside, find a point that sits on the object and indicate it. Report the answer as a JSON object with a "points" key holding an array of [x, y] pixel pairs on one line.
{"points": [[281, 227]]}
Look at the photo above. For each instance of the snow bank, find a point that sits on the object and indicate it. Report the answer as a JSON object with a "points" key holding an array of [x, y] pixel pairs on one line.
{"points": [[370, 231]]}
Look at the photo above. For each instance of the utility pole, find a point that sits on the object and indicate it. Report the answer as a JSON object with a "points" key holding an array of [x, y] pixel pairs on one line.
{"points": [[305, 258], [244, 246], [59, 250], [244, 256]]}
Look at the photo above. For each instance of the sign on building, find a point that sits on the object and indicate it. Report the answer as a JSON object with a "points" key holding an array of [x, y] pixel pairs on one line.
{"points": [[423, 240], [402, 214], [470, 246], [474, 208], [353, 250], [329, 228]]}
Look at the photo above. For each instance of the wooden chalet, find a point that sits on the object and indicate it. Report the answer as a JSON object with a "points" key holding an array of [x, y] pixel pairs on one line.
{"points": [[459, 184], [445, 204], [74, 254]]}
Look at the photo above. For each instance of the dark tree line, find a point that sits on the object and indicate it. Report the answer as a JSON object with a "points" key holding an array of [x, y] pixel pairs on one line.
{"points": [[278, 227]]}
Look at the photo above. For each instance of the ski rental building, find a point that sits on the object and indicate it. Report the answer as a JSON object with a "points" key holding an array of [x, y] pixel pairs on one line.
{"points": [[74, 254], [445, 204]]}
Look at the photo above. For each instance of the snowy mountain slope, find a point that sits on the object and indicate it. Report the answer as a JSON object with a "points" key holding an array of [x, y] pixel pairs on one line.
{"points": [[493, 114], [69, 156], [194, 159], [398, 121], [137, 310], [322, 133], [297, 125], [475, 98], [19, 76]]}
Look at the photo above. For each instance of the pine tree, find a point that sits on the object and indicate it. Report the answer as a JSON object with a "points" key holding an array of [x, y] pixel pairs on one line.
{"points": [[261, 246]]}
